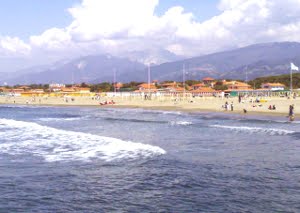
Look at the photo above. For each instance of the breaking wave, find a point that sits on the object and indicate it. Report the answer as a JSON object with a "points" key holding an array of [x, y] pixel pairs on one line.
{"points": [[256, 130], [60, 145]]}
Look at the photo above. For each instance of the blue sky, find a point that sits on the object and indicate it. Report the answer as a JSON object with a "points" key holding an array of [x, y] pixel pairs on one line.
{"points": [[23, 18], [202, 9]]}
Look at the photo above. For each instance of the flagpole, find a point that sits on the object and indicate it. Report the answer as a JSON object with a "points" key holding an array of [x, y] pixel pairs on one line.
{"points": [[149, 78], [293, 67], [183, 80], [115, 89], [291, 81]]}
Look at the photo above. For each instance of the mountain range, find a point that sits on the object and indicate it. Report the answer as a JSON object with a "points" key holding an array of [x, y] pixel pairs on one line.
{"points": [[243, 63]]}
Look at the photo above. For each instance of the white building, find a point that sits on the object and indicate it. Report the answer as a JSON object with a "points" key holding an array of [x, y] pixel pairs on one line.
{"points": [[56, 87], [273, 86]]}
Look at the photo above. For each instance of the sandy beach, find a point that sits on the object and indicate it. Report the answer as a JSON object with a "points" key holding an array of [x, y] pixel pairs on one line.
{"points": [[210, 104]]}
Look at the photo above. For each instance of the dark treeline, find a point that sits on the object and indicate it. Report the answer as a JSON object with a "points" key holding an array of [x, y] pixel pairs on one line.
{"points": [[283, 79]]}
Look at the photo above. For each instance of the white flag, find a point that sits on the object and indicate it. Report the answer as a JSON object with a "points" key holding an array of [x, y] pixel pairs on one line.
{"points": [[294, 67]]}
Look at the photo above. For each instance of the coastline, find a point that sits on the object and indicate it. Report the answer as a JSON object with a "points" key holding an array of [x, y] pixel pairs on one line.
{"points": [[212, 105]]}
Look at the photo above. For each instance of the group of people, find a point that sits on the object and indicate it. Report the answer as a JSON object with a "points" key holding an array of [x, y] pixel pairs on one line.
{"points": [[272, 107], [107, 102], [226, 106]]}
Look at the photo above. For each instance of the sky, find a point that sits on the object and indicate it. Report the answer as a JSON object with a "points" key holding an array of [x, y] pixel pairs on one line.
{"points": [[35, 32]]}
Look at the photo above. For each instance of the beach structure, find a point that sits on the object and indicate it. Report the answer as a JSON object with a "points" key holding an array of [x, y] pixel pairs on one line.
{"points": [[273, 86], [170, 87], [237, 85], [198, 86], [56, 87], [145, 87], [13, 91], [118, 86], [205, 92], [33, 93]]}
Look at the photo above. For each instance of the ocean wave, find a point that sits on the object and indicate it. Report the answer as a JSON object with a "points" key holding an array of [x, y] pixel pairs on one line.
{"points": [[60, 145], [134, 120], [269, 131]]}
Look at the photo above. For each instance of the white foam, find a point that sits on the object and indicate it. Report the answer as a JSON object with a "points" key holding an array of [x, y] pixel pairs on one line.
{"points": [[60, 119], [170, 112], [58, 145], [256, 130], [181, 123]]}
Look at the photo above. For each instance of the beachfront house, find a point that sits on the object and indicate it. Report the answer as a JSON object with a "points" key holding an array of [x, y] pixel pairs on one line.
{"points": [[237, 85], [82, 90], [174, 87], [33, 93], [198, 86], [145, 87], [14, 92], [118, 86], [204, 91], [272, 86], [173, 84], [56, 87]]}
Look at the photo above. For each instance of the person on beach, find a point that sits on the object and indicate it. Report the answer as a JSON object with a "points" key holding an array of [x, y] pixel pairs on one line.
{"points": [[270, 107], [291, 112], [231, 106]]}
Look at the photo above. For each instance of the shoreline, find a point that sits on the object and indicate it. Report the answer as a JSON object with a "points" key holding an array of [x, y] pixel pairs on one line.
{"points": [[199, 106]]}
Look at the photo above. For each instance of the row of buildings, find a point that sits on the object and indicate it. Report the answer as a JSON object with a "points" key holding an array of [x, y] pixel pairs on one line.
{"points": [[206, 87], [54, 90]]}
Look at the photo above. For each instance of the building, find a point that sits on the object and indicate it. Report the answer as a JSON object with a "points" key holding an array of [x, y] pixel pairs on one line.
{"points": [[272, 86], [144, 87], [237, 85], [198, 86], [118, 86], [56, 87], [204, 91], [173, 84], [82, 90], [208, 81]]}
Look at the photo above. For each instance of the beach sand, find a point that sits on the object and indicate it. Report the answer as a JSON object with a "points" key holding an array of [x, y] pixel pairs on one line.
{"points": [[201, 104]]}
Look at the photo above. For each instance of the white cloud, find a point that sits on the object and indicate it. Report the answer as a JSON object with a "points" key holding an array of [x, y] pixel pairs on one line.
{"points": [[118, 27], [13, 47], [52, 39]]}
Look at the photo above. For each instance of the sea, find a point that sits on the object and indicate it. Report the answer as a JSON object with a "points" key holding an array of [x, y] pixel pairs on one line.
{"points": [[81, 159]]}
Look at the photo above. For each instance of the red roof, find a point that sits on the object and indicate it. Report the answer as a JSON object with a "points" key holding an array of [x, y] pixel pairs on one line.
{"points": [[198, 85], [203, 89], [208, 79]]}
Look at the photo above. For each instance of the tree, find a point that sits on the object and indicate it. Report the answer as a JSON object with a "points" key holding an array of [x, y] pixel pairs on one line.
{"points": [[192, 82]]}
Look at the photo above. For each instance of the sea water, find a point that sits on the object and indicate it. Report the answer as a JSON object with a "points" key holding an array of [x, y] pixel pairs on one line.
{"points": [[76, 159]]}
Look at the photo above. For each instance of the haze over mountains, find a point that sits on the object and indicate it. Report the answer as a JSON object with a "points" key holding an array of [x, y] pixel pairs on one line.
{"points": [[243, 63]]}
